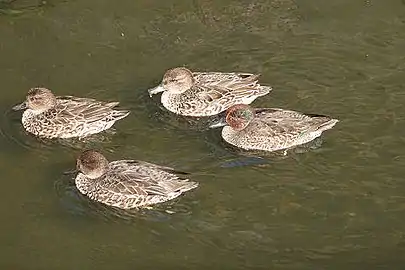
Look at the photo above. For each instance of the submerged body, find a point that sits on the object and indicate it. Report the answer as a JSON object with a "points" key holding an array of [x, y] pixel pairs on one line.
{"points": [[272, 129], [207, 93], [127, 183], [66, 117]]}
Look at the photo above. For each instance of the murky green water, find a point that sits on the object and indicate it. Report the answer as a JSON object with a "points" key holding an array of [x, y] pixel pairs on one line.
{"points": [[340, 205]]}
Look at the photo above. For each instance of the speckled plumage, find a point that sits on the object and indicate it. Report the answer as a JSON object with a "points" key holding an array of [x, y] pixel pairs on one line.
{"points": [[129, 184], [208, 93], [71, 117], [272, 129]]}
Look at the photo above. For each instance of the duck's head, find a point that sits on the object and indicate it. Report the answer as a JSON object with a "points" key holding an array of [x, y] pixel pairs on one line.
{"points": [[237, 117], [38, 99], [92, 164], [176, 81]]}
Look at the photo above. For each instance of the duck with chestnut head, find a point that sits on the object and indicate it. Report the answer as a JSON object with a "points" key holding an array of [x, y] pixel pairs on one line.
{"points": [[207, 93], [271, 129], [127, 183], [49, 116]]}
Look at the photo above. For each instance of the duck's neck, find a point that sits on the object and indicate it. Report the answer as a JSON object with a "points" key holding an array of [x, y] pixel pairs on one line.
{"points": [[28, 114]]}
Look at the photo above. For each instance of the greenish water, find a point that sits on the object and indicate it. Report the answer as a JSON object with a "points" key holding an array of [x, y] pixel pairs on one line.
{"points": [[340, 205]]}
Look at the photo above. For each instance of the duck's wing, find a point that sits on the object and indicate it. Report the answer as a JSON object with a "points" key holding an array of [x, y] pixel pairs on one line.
{"points": [[274, 122], [88, 109], [229, 88], [220, 77], [137, 178]]}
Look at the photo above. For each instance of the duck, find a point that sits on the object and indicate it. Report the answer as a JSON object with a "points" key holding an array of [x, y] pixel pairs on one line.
{"points": [[127, 184], [271, 129], [48, 116], [199, 94]]}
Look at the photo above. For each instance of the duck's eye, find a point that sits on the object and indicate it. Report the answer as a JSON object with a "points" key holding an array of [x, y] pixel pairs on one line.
{"points": [[246, 114]]}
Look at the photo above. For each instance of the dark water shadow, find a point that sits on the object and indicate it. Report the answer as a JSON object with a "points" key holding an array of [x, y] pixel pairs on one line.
{"points": [[16, 7]]}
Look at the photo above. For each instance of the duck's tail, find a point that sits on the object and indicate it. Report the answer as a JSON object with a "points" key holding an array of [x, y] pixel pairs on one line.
{"points": [[185, 185], [263, 90], [119, 114], [330, 123]]}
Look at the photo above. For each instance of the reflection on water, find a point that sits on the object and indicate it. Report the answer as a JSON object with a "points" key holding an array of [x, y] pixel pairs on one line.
{"points": [[335, 203]]}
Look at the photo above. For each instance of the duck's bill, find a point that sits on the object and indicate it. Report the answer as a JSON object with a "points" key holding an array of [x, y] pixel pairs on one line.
{"points": [[220, 123], [156, 90], [21, 106]]}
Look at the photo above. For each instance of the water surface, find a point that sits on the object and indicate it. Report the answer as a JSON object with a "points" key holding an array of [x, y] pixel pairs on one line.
{"points": [[339, 205]]}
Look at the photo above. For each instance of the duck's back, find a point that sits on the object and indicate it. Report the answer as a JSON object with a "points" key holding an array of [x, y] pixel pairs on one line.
{"points": [[227, 78]]}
